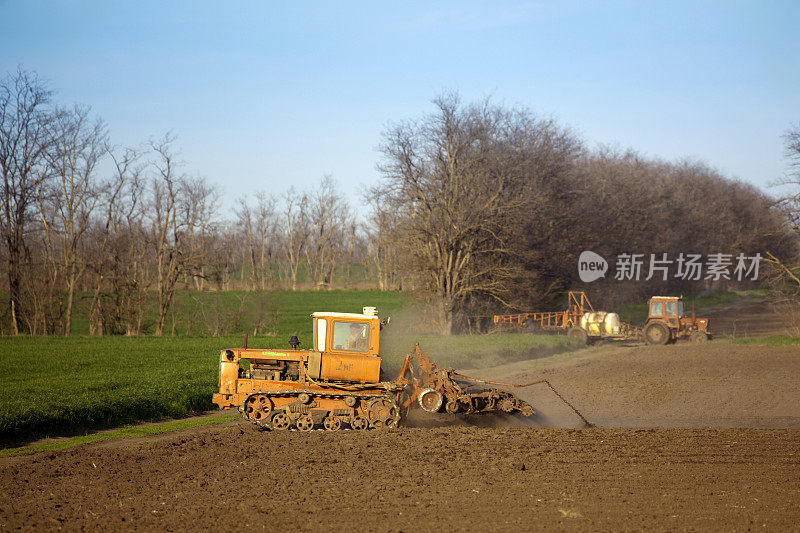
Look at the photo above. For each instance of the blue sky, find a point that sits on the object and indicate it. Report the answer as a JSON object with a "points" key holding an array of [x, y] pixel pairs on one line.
{"points": [[265, 95]]}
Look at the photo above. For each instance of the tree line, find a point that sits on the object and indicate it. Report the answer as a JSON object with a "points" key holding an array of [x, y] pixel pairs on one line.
{"points": [[481, 208], [128, 240], [489, 207]]}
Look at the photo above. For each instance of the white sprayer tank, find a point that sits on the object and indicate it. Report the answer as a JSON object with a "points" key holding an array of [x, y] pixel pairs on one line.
{"points": [[600, 323]]}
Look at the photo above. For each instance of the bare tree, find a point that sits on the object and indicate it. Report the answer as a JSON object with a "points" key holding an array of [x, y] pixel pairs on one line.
{"points": [[295, 232], [166, 234], [258, 224], [76, 146], [246, 221], [329, 216], [23, 135], [790, 202], [196, 213], [380, 229], [182, 224], [119, 198], [457, 181], [785, 276], [265, 231]]}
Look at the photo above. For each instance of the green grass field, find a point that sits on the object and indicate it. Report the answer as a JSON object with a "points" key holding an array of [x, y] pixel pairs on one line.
{"points": [[66, 384], [57, 384], [126, 432], [200, 313], [778, 340]]}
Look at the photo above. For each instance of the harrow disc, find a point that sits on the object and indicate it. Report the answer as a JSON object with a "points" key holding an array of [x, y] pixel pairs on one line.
{"points": [[430, 400], [506, 405]]}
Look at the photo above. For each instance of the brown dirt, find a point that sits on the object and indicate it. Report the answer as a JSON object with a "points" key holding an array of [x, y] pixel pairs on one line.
{"points": [[748, 317], [681, 385], [465, 477]]}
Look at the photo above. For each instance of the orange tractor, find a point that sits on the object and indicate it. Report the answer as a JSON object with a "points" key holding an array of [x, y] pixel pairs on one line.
{"points": [[338, 382], [668, 322]]}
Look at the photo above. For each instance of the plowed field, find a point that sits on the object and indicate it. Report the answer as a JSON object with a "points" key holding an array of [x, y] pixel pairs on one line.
{"points": [[689, 437]]}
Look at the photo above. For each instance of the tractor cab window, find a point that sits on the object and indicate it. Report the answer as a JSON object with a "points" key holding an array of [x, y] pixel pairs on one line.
{"points": [[350, 336], [320, 330], [671, 308], [680, 308], [656, 309]]}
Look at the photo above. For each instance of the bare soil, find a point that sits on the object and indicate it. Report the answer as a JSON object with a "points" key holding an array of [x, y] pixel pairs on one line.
{"points": [[750, 317], [680, 385], [691, 437]]}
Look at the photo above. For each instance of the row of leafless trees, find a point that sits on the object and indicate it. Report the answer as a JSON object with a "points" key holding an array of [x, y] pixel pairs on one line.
{"points": [[127, 238], [315, 232], [488, 208], [481, 208]]}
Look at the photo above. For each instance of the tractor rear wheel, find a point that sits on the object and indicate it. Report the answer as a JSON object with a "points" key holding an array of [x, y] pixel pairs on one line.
{"points": [[578, 333], [656, 333]]}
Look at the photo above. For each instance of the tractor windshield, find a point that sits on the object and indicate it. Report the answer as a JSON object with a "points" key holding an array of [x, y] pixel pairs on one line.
{"points": [[680, 307], [671, 308], [350, 336], [656, 308]]}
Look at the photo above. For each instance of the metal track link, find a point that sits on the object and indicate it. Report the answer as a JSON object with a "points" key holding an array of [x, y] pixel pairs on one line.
{"points": [[297, 408]]}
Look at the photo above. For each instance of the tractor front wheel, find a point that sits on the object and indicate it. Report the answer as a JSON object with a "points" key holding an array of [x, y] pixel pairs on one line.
{"points": [[656, 333], [698, 336]]}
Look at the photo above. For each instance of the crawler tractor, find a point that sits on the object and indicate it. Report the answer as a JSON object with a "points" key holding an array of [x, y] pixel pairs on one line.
{"points": [[338, 382]]}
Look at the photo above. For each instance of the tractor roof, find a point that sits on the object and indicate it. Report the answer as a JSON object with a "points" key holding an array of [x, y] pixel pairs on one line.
{"points": [[357, 316], [666, 297]]}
